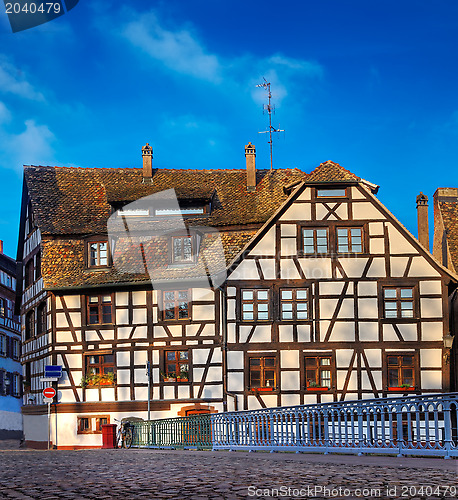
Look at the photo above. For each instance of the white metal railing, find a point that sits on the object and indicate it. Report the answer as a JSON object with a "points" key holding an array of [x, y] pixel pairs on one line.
{"points": [[413, 425]]}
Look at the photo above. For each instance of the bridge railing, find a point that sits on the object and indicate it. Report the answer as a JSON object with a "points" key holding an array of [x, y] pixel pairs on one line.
{"points": [[193, 431], [414, 425]]}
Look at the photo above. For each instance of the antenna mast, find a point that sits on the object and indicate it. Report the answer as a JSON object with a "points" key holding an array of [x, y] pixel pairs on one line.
{"points": [[269, 108]]}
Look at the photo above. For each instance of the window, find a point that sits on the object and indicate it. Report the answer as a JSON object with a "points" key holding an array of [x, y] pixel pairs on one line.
{"points": [[98, 253], [294, 304], [398, 302], [29, 325], [181, 211], [2, 307], [99, 309], [16, 385], [38, 265], [2, 345], [349, 240], [315, 240], [263, 372], [176, 366], [331, 193], [176, 304], [92, 425], [28, 276], [318, 372], [182, 249], [100, 370], [401, 371], [255, 305], [15, 348], [41, 318]]}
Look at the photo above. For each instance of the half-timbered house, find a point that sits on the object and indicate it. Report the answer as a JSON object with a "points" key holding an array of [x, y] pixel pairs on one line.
{"points": [[325, 296]]}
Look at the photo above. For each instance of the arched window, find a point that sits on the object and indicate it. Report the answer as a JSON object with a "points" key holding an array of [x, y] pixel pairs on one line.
{"points": [[41, 318], [29, 325]]}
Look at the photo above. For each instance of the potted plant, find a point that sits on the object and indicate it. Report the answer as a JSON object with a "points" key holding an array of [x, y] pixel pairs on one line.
{"points": [[183, 376], [26, 386], [93, 379], [169, 377], [405, 387], [313, 386]]}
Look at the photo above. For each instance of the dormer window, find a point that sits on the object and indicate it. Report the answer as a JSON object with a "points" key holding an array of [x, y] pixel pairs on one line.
{"points": [[183, 250], [331, 193], [97, 253], [164, 212]]}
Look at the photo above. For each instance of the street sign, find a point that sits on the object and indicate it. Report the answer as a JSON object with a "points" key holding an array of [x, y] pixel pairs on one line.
{"points": [[47, 400], [49, 392], [48, 379], [54, 371]]}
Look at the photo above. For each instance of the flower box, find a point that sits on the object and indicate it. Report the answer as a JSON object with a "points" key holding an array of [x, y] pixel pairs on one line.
{"points": [[263, 389], [400, 389], [170, 379], [182, 379], [320, 389]]}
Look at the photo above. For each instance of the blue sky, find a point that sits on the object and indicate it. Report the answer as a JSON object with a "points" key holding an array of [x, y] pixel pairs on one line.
{"points": [[370, 85]]}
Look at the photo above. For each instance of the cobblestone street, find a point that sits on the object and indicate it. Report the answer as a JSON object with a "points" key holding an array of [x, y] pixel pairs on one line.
{"points": [[164, 474]]}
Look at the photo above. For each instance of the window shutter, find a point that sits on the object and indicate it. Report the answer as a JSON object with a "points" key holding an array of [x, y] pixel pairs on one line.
{"points": [[9, 391], [8, 347], [1, 382]]}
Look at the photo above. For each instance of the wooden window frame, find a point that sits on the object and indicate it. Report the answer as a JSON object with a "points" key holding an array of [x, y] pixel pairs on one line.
{"points": [[399, 300], [331, 197], [15, 346], [94, 426], [41, 326], [101, 365], [16, 385], [256, 302], [29, 273], [401, 387], [318, 369], [166, 375], [349, 240], [294, 302], [97, 242], [315, 240], [38, 265], [176, 302], [172, 258], [30, 324], [100, 304], [262, 356]]}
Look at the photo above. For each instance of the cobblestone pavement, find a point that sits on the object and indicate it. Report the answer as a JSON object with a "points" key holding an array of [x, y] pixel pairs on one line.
{"points": [[202, 475]]}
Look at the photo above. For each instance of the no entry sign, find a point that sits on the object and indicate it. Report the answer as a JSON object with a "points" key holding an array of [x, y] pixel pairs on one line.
{"points": [[49, 392]]}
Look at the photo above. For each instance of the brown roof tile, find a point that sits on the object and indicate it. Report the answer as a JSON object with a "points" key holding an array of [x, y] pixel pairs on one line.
{"points": [[449, 211]]}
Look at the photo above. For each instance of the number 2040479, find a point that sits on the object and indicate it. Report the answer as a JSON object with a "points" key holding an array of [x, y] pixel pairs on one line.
{"points": [[33, 8]]}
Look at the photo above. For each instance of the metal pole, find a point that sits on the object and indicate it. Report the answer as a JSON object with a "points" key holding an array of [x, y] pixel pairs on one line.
{"points": [[49, 423], [148, 372]]}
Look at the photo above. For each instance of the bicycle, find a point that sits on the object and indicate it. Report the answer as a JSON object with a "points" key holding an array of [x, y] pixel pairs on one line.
{"points": [[124, 435]]}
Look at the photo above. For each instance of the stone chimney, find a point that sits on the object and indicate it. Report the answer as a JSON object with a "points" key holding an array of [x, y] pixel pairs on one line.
{"points": [[147, 154], [250, 155], [422, 216], [1, 246]]}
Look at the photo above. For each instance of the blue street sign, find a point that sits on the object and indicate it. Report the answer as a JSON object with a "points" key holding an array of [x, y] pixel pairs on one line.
{"points": [[54, 371]]}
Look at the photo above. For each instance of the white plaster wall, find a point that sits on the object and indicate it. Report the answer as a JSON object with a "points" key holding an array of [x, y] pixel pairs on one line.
{"points": [[235, 359], [35, 427], [430, 287], [366, 211], [10, 421], [298, 211], [430, 358], [267, 244], [289, 359], [431, 308], [290, 381]]}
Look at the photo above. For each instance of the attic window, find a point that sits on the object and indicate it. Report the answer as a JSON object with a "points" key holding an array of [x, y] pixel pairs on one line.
{"points": [[181, 211], [134, 213], [331, 193]]}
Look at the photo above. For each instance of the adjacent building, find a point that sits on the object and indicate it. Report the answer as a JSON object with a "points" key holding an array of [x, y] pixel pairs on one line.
{"points": [[10, 349], [240, 288]]}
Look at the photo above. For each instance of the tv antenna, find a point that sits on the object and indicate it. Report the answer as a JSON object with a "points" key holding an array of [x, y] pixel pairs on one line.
{"points": [[269, 108]]}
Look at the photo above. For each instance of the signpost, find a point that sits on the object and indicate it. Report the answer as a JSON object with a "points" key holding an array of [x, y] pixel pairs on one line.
{"points": [[53, 371], [49, 393]]}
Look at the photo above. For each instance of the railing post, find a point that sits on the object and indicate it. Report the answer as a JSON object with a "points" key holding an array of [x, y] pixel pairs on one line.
{"points": [[326, 432], [399, 429], [448, 430], [360, 429]]}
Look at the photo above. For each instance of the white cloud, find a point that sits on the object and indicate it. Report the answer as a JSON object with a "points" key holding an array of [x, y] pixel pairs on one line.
{"points": [[32, 146], [177, 50], [5, 115], [13, 81]]}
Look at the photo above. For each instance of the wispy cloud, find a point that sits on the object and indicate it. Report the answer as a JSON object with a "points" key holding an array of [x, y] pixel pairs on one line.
{"points": [[5, 115], [13, 81], [178, 50], [30, 147]]}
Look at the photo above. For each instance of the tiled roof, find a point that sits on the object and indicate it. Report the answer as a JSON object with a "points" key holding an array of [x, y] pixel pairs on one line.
{"points": [[449, 211], [77, 202], [330, 171]]}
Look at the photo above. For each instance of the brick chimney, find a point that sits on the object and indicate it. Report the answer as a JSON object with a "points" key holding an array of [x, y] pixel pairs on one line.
{"points": [[147, 154], [250, 155], [422, 216], [1, 246]]}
